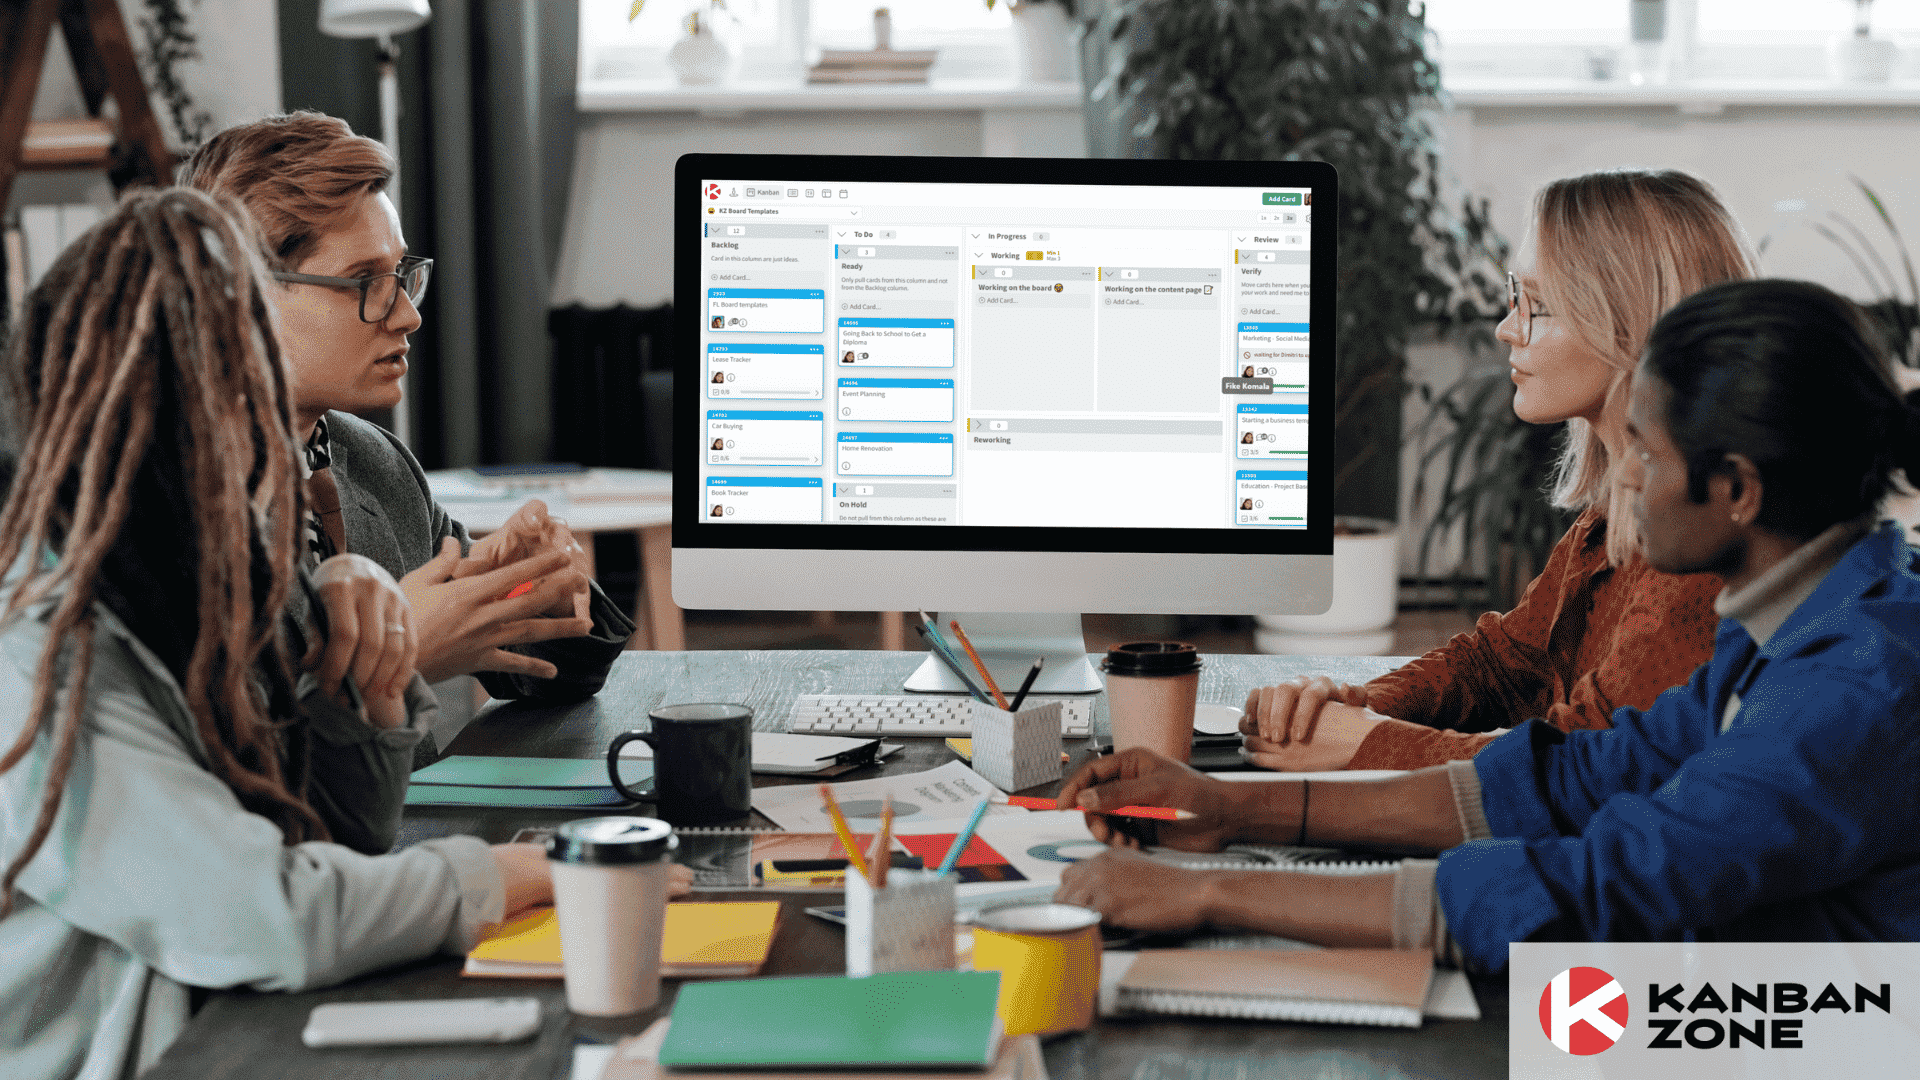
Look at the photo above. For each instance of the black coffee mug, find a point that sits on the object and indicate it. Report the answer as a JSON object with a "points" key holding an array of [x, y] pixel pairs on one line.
{"points": [[702, 763]]}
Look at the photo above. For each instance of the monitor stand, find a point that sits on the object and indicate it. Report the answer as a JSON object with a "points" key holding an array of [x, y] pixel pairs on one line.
{"points": [[1008, 644]]}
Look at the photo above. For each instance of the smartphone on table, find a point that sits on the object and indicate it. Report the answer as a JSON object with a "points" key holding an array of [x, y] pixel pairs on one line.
{"points": [[395, 1023]]}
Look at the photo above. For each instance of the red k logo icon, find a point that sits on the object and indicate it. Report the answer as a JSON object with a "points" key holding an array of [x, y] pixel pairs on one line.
{"points": [[713, 191], [1583, 1010]]}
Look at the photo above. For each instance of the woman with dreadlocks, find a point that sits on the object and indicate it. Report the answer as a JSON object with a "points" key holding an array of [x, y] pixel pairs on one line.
{"points": [[155, 739]]}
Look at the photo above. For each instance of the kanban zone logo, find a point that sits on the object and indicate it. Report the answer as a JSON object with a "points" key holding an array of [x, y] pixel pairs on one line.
{"points": [[1583, 1010], [713, 191]]}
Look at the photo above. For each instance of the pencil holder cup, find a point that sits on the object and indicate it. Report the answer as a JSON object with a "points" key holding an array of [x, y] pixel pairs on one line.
{"points": [[1017, 750], [907, 926]]}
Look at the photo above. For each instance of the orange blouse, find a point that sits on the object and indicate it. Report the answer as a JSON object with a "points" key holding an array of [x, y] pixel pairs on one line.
{"points": [[1584, 640]]}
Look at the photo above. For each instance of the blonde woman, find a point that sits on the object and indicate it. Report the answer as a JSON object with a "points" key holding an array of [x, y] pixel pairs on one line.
{"points": [[1607, 254]]}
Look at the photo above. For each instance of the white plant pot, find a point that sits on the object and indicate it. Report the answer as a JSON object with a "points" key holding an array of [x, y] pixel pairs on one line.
{"points": [[1366, 595], [1856, 59], [1043, 43], [700, 58]]}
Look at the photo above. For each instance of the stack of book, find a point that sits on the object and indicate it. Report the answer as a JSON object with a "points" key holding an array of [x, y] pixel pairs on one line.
{"points": [[872, 66]]}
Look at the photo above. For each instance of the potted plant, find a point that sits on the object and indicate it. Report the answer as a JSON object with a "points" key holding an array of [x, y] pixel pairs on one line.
{"points": [[1342, 82]]}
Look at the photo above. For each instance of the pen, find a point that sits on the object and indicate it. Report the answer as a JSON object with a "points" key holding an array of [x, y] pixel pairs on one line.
{"points": [[986, 676], [840, 829], [952, 665], [961, 841], [1026, 685]]}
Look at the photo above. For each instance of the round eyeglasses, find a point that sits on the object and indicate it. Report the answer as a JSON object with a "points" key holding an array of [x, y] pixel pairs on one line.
{"points": [[1521, 307], [380, 292]]}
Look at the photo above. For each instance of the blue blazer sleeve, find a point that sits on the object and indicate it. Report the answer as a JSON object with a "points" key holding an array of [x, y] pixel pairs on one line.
{"points": [[1782, 808]]}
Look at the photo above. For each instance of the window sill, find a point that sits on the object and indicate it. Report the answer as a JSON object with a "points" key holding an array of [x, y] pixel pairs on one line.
{"points": [[1704, 97], [791, 95]]}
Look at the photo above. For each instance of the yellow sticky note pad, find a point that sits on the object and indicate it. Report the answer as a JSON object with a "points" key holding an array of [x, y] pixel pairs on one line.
{"points": [[696, 934]]}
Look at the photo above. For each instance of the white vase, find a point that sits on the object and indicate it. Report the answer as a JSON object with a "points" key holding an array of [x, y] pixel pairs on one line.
{"points": [[700, 58], [1043, 43], [1366, 596], [1857, 59]]}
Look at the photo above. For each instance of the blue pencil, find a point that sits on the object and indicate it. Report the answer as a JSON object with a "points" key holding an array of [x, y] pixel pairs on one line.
{"points": [[965, 837], [936, 646]]}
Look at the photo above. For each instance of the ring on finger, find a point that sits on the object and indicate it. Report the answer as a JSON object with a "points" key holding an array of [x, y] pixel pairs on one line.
{"points": [[396, 628]]}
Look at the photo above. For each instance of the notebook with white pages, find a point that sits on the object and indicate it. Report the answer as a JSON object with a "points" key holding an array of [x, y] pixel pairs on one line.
{"points": [[1377, 987], [1300, 860]]}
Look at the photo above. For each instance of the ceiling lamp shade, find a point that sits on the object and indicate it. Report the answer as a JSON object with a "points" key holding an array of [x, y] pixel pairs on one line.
{"points": [[371, 18]]}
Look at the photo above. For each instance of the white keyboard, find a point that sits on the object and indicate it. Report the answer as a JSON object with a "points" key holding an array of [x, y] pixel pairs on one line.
{"points": [[914, 714]]}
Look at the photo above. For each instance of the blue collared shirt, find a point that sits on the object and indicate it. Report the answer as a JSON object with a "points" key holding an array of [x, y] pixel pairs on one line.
{"points": [[1800, 822]]}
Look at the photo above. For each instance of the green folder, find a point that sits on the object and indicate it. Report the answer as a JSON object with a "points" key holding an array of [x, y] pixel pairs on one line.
{"points": [[902, 1019], [524, 782]]}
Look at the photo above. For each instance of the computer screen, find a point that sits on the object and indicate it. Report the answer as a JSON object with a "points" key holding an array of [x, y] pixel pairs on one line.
{"points": [[902, 378]]}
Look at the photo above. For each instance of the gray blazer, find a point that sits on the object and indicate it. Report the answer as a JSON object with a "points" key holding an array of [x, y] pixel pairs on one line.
{"points": [[391, 518]]}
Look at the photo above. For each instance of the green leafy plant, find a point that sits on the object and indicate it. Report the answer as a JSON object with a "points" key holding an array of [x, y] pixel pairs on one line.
{"points": [[1897, 318], [1342, 81], [1497, 468], [170, 41]]}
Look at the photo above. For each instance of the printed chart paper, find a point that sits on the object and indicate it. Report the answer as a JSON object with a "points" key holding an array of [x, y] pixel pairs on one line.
{"points": [[937, 795]]}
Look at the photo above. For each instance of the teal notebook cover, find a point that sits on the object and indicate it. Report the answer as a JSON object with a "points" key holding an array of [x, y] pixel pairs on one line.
{"points": [[902, 1019], [525, 782], [525, 772]]}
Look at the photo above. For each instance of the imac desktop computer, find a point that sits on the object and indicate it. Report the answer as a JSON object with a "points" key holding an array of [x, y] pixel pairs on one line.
{"points": [[1018, 389]]}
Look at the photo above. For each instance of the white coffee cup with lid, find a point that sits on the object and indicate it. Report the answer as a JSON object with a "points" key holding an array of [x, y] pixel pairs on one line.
{"points": [[610, 894]]}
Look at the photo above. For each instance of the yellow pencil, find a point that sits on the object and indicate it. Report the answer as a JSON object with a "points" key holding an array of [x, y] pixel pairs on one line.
{"points": [[845, 834], [986, 676], [883, 861]]}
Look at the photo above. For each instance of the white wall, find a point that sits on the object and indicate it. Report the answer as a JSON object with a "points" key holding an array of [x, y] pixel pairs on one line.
{"points": [[1757, 157], [618, 244]]}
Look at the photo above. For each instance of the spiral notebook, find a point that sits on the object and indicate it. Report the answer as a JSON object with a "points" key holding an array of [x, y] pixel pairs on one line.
{"points": [[1380, 987], [1302, 860]]}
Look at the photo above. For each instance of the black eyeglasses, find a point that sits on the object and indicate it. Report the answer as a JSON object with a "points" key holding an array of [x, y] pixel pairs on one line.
{"points": [[380, 292], [1519, 303]]}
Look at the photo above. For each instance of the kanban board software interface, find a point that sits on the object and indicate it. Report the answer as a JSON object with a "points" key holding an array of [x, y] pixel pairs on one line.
{"points": [[1004, 354]]}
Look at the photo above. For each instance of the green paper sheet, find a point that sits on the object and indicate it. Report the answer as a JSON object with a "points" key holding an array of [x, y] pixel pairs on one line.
{"points": [[529, 772], [524, 782], [907, 1019]]}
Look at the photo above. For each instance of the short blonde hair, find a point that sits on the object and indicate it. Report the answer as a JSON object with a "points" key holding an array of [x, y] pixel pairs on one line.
{"points": [[1616, 249], [298, 175]]}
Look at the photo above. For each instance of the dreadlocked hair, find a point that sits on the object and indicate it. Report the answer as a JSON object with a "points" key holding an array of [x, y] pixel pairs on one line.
{"points": [[153, 457]]}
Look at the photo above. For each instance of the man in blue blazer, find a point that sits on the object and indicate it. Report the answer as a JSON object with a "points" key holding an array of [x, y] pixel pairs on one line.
{"points": [[1768, 799]]}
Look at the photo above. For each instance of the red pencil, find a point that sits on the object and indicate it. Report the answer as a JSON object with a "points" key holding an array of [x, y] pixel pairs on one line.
{"points": [[1159, 813]]}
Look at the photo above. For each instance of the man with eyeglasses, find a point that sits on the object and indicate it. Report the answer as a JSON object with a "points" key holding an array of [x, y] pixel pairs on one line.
{"points": [[347, 301]]}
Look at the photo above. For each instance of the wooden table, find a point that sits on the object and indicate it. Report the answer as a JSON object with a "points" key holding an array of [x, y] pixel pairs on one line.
{"points": [[246, 1034]]}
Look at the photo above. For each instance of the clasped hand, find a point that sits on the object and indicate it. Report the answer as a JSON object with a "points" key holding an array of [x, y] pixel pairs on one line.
{"points": [[463, 610], [1307, 725]]}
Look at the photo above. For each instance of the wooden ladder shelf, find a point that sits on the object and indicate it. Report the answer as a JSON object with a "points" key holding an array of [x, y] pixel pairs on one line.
{"points": [[104, 64]]}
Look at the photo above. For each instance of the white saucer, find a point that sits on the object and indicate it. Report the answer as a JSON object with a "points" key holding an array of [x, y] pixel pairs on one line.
{"points": [[1216, 719]]}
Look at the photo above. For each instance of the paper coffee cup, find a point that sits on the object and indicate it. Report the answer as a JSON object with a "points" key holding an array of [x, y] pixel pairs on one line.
{"points": [[1151, 690], [610, 896]]}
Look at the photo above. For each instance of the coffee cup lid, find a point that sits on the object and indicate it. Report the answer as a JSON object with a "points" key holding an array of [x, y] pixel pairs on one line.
{"points": [[1152, 658], [1036, 918], [609, 841]]}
